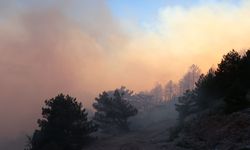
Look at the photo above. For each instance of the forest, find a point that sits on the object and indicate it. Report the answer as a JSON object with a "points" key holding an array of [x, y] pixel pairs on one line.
{"points": [[201, 111]]}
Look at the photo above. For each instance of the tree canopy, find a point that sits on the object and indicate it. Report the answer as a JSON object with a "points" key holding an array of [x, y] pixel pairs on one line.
{"points": [[225, 88], [64, 126], [113, 110]]}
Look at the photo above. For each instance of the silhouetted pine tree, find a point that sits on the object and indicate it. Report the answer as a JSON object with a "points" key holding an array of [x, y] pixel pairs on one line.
{"points": [[113, 110], [205, 91], [233, 76], [227, 72], [64, 126]]}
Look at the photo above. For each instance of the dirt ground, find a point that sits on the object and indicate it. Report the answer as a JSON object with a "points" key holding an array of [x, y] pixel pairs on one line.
{"points": [[153, 137]]}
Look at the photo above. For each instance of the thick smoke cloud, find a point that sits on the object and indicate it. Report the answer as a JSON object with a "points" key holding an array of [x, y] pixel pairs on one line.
{"points": [[45, 51], [79, 48]]}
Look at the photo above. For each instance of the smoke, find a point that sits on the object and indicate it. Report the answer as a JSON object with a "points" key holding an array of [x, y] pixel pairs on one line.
{"points": [[200, 34], [46, 51], [79, 48]]}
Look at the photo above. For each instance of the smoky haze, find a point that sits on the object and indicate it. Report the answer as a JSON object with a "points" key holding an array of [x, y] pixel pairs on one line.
{"points": [[48, 48], [45, 52]]}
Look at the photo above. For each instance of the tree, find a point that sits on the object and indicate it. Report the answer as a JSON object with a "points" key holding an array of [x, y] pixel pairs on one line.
{"points": [[195, 73], [228, 71], [227, 87], [157, 93], [189, 79], [126, 93], [64, 126], [244, 70], [143, 101], [236, 99], [205, 90], [170, 90], [233, 80], [113, 111], [185, 105]]}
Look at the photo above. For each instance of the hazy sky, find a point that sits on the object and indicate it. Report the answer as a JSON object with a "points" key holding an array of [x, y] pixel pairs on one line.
{"points": [[82, 47]]}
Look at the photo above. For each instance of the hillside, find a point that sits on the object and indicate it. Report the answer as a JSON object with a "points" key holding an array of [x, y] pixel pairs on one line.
{"points": [[149, 132], [218, 132]]}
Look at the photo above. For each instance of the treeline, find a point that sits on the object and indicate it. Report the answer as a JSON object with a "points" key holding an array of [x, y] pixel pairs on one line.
{"points": [[65, 124], [172, 90], [220, 91]]}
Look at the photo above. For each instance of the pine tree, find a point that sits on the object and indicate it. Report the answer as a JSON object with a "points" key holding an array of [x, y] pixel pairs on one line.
{"points": [[233, 78], [64, 126], [205, 90], [113, 111]]}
